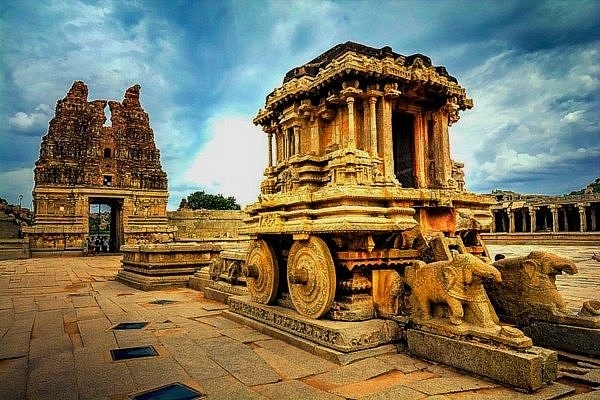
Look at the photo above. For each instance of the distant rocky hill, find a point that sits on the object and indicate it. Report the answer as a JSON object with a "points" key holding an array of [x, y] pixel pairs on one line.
{"points": [[508, 195], [593, 187]]}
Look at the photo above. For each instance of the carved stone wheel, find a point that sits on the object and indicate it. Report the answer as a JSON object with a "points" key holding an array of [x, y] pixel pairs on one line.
{"points": [[311, 277], [262, 272]]}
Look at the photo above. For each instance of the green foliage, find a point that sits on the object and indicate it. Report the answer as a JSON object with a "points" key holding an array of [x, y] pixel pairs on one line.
{"points": [[594, 186], [201, 200]]}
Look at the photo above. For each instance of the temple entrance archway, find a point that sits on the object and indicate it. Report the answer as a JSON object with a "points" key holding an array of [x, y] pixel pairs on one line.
{"points": [[105, 222], [403, 134]]}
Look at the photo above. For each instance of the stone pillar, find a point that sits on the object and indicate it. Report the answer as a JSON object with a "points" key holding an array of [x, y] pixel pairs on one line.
{"points": [[270, 146], [565, 219], [443, 164], [582, 219], [493, 224], [373, 125], [420, 130], [390, 93], [315, 146], [337, 130], [388, 144], [523, 221], [351, 127], [349, 92], [286, 146], [296, 130], [533, 218], [593, 219], [280, 146], [554, 210], [511, 221]]}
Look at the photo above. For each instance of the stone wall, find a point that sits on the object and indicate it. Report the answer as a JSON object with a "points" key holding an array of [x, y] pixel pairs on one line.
{"points": [[206, 224], [8, 228]]}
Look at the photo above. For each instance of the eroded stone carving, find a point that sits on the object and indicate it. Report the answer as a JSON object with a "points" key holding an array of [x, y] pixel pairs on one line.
{"points": [[459, 284], [393, 295], [528, 291]]}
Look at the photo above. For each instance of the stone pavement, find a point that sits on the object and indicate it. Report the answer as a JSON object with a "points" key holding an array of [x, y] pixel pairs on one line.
{"points": [[56, 316]]}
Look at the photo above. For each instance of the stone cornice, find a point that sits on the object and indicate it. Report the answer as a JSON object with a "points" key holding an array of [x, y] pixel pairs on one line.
{"points": [[389, 67]]}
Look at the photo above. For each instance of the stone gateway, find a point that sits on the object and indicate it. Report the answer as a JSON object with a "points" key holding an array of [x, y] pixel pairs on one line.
{"points": [[83, 162]]}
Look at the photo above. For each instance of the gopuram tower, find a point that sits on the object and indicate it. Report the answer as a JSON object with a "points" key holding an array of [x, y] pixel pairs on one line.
{"points": [[83, 163]]}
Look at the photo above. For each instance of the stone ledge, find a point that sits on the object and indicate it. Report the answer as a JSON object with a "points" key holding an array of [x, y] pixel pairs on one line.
{"points": [[146, 283], [574, 339], [222, 292], [528, 370], [327, 353], [345, 337]]}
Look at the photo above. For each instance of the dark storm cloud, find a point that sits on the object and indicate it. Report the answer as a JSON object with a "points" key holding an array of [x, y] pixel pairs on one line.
{"points": [[205, 68]]}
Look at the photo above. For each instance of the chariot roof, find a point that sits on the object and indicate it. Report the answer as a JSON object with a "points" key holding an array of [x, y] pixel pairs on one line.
{"points": [[323, 75]]}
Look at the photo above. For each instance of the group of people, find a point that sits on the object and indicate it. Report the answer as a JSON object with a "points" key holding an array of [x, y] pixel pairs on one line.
{"points": [[97, 244]]}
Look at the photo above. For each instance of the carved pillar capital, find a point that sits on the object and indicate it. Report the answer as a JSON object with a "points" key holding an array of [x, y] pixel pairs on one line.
{"points": [[306, 109], [451, 108], [390, 90], [325, 112]]}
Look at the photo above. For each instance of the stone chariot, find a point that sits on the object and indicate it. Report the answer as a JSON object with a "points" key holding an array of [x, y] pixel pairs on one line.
{"points": [[359, 183], [363, 217]]}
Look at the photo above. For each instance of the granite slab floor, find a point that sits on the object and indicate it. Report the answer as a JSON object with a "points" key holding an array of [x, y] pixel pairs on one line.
{"points": [[56, 335]]}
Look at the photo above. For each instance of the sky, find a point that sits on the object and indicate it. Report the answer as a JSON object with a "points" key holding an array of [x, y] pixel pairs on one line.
{"points": [[205, 68]]}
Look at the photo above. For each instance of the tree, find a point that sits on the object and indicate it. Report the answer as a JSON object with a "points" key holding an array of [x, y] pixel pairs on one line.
{"points": [[200, 199], [593, 187]]}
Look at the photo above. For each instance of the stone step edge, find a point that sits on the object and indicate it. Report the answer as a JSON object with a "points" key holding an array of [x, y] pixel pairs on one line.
{"points": [[332, 355], [528, 370]]}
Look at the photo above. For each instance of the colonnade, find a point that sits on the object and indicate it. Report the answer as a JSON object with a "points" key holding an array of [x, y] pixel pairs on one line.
{"points": [[557, 217], [362, 119]]}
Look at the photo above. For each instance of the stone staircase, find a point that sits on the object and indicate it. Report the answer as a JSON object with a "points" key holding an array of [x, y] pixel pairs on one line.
{"points": [[11, 249], [11, 246]]}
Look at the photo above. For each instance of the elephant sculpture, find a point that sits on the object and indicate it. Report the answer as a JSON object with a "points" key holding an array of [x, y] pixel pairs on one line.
{"points": [[528, 288], [457, 283]]}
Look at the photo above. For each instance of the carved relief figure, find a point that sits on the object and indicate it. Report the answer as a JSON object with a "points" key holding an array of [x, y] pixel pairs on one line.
{"points": [[457, 283], [393, 295], [215, 268], [529, 285], [234, 271]]}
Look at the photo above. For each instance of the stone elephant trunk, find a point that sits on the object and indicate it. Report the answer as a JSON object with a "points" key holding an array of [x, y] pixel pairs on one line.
{"points": [[529, 288]]}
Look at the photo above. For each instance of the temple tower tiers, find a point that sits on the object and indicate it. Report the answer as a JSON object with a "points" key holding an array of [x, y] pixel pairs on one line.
{"points": [[84, 162]]}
